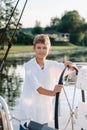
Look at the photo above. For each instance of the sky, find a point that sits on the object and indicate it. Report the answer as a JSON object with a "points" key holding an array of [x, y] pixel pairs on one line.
{"points": [[44, 10]]}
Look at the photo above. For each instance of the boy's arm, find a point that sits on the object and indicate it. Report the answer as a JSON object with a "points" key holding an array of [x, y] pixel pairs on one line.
{"points": [[43, 91]]}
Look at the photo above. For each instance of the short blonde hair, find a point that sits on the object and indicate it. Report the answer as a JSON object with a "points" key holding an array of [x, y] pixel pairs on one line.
{"points": [[42, 38]]}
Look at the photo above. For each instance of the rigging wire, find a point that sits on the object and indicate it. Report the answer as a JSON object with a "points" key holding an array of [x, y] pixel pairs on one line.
{"points": [[18, 21], [10, 42], [2, 38]]}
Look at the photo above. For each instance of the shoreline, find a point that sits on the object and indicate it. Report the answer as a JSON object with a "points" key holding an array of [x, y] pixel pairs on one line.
{"points": [[52, 53]]}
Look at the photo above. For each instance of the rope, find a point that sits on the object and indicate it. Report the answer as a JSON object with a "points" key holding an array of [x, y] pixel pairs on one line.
{"points": [[19, 20], [71, 107], [10, 42], [2, 38]]}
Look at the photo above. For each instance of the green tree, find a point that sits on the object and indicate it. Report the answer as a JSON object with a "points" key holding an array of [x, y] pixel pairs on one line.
{"points": [[1, 14], [84, 41], [8, 6], [24, 38], [76, 38], [71, 21], [55, 23], [6, 9], [37, 29], [83, 28]]}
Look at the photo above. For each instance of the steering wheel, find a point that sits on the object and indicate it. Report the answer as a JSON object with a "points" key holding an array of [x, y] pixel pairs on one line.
{"points": [[64, 81]]}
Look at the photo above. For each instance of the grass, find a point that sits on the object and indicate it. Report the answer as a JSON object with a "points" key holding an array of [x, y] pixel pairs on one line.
{"points": [[17, 49], [24, 49], [65, 47]]}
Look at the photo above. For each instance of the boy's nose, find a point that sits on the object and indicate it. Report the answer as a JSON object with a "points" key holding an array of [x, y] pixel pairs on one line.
{"points": [[42, 50]]}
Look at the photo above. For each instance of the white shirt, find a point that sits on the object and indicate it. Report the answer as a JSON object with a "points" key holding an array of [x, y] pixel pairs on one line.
{"points": [[34, 105]]}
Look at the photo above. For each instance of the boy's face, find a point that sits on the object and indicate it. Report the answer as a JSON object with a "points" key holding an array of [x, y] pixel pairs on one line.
{"points": [[41, 50]]}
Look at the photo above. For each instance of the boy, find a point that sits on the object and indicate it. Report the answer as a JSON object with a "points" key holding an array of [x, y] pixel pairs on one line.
{"points": [[40, 85]]}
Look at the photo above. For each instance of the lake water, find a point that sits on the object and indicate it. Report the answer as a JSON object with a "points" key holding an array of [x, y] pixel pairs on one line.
{"points": [[12, 78]]}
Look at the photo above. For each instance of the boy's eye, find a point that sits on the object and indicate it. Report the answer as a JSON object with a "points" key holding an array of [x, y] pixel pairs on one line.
{"points": [[45, 48], [42, 48], [38, 47]]}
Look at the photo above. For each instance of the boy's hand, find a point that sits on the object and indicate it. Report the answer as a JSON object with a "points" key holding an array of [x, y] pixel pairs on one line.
{"points": [[58, 88], [69, 64]]}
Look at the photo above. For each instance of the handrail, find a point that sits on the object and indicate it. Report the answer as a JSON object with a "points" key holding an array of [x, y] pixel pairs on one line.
{"points": [[7, 113]]}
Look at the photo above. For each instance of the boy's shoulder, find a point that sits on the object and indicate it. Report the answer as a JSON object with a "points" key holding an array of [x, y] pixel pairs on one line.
{"points": [[51, 62], [54, 63], [30, 62]]}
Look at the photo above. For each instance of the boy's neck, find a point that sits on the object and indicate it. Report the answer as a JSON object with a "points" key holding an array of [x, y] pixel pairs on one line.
{"points": [[40, 62]]}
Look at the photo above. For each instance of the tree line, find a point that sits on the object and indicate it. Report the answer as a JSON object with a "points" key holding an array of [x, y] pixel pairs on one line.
{"points": [[70, 22]]}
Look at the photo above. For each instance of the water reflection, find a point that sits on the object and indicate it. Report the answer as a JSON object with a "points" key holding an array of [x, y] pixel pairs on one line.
{"points": [[74, 57], [11, 81], [78, 57]]}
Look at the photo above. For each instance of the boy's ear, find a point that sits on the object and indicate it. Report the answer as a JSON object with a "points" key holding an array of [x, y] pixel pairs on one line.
{"points": [[50, 49], [33, 48]]}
